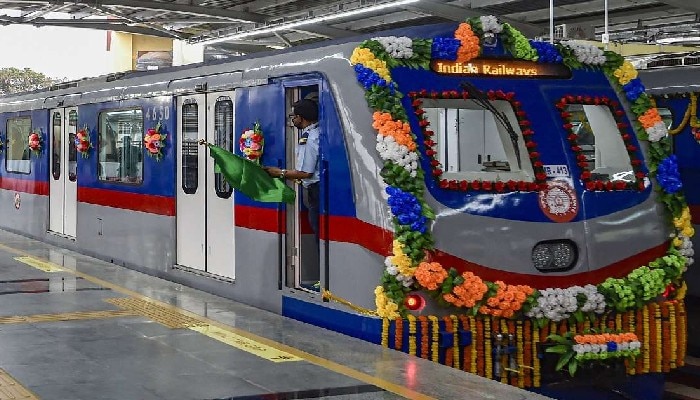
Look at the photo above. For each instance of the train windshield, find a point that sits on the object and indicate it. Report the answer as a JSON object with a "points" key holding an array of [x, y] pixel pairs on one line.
{"points": [[600, 142], [478, 141]]}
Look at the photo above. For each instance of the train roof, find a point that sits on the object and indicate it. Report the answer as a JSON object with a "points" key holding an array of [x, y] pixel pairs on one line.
{"points": [[424, 31]]}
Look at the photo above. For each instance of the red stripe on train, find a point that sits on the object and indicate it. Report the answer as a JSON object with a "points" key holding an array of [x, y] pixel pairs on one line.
{"points": [[161, 205], [25, 185], [378, 240]]}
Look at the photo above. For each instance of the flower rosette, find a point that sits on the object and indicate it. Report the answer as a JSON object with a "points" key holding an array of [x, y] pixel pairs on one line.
{"points": [[252, 142], [155, 141], [82, 142], [409, 266], [35, 142]]}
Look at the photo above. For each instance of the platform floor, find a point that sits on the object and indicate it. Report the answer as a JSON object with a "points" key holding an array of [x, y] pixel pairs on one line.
{"points": [[73, 327]]}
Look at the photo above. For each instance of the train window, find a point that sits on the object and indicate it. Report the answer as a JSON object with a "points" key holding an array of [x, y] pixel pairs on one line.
{"points": [[666, 116], [600, 142], [120, 144], [18, 153], [72, 151], [473, 142], [190, 147], [56, 132], [223, 127]]}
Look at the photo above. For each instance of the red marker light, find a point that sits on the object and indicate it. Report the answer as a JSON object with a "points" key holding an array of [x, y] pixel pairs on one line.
{"points": [[414, 302]]}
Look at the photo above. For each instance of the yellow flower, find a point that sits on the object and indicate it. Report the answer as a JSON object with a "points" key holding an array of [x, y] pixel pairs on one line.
{"points": [[385, 307], [688, 231], [677, 242], [625, 73], [365, 57], [401, 260]]}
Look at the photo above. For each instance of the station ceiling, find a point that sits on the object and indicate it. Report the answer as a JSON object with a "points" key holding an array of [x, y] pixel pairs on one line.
{"points": [[247, 26]]}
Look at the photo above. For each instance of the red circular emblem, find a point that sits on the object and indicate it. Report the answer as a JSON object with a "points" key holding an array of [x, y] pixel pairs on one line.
{"points": [[558, 201]]}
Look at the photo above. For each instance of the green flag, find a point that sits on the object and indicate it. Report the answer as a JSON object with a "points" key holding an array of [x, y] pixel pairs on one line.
{"points": [[249, 177]]}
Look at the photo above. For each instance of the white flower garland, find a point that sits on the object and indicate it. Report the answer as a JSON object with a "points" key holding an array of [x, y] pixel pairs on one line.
{"points": [[390, 150], [657, 132], [686, 250], [586, 53], [489, 23], [397, 47], [392, 269], [558, 304]]}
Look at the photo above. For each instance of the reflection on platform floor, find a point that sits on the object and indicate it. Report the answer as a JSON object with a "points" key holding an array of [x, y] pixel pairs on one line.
{"points": [[73, 327]]}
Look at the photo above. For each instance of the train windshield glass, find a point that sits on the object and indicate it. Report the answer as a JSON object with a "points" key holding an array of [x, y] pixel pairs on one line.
{"points": [[601, 143], [120, 155], [472, 143]]}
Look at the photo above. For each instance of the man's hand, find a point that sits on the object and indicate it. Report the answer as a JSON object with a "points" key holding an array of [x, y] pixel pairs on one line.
{"points": [[273, 171]]}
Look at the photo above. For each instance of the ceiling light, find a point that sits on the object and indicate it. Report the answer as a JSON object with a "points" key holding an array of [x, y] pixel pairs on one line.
{"points": [[307, 21]]}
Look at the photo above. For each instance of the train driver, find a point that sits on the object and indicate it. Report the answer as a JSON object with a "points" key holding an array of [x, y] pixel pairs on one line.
{"points": [[305, 117]]}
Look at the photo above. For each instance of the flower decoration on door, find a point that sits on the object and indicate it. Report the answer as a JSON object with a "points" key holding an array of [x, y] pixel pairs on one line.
{"points": [[36, 142], [155, 141], [82, 142], [252, 142]]}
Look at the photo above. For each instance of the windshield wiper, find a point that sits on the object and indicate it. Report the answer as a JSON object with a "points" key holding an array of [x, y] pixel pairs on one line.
{"points": [[482, 99]]}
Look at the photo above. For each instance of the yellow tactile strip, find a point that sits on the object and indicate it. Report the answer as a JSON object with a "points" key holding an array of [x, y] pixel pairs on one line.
{"points": [[165, 316], [45, 266], [10, 389], [69, 316]]}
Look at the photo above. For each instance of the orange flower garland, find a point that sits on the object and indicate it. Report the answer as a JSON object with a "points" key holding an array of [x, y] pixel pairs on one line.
{"points": [[508, 300], [398, 334], [424, 338], [449, 360], [399, 130], [430, 275], [470, 43], [468, 293], [650, 118]]}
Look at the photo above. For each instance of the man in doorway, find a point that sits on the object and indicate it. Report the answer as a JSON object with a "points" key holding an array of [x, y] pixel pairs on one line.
{"points": [[305, 117]]}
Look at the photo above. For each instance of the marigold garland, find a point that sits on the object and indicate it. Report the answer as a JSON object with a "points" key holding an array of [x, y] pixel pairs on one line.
{"points": [[434, 348], [449, 360], [398, 334]]}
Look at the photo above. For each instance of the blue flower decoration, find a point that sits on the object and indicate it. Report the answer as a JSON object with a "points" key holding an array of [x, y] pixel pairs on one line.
{"points": [[445, 48], [368, 78], [633, 89], [547, 52], [612, 346], [407, 209], [668, 176]]}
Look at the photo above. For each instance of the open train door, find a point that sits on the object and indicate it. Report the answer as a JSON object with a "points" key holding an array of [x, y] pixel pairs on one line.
{"points": [[204, 206], [63, 179]]}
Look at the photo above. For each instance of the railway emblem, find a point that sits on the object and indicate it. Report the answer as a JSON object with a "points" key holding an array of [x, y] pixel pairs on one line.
{"points": [[558, 201], [18, 201]]}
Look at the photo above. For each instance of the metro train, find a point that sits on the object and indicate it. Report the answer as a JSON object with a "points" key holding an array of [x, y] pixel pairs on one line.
{"points": [[483, 197]]}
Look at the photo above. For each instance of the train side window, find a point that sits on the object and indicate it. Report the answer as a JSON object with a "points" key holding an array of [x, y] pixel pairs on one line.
{"points": [[18, 158], [190, 148], [223, 128], [56, 132], [120, 144], [473, 144], [72, 151], [600, 142], [666, 116]]}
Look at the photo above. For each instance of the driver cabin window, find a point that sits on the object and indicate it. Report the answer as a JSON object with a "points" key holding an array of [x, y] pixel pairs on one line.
{"points": [[601, 143], [476, 143]]}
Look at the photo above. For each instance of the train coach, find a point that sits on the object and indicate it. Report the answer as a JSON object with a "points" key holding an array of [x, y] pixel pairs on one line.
{"points": [[499, 205]]}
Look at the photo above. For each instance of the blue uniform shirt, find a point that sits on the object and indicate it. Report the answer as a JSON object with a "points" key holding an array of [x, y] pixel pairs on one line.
{"points": [[307, 153]]}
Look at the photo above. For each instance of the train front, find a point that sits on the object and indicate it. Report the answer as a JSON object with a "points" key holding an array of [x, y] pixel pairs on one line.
{"points": [[533, 192]]}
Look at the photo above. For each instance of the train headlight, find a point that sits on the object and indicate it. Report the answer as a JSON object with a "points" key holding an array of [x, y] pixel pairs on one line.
{"points": [[554, 255]]}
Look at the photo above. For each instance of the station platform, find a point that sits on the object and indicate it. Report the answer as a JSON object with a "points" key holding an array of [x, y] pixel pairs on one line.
{"points": [[74, 327]]}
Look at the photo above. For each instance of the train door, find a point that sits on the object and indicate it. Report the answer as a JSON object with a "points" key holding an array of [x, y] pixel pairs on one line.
{"points": [[63, 179], [204, 205], [303, 261], [219, 203]]}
